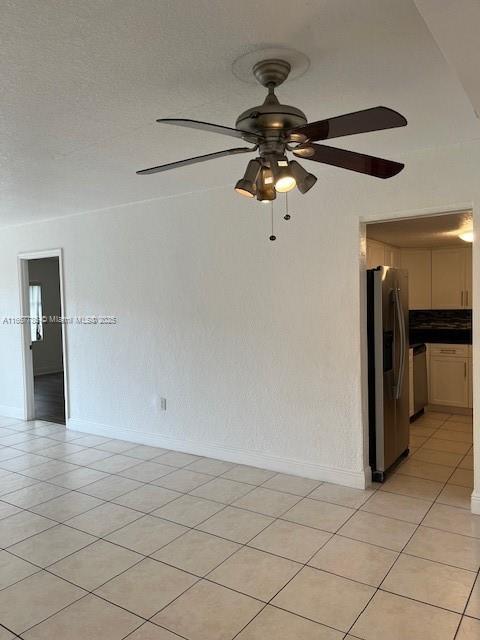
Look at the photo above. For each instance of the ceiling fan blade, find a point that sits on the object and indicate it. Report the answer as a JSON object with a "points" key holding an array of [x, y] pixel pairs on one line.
{"points": [[372, 166], [374, 119], [183, 163], [213, 128]]}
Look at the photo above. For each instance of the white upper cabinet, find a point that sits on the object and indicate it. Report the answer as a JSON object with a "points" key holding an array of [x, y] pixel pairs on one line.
{"points": [[392, 256], [419, 266], [375, 254], [379, 254], [449, 278], [437, 278]]}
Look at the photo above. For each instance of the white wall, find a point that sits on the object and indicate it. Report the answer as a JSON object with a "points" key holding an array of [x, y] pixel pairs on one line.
{"points": [[47, 353], [255, 345]]}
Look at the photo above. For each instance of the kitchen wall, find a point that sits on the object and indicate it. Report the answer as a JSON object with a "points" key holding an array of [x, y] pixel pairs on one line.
{"points": [[257, 346]]}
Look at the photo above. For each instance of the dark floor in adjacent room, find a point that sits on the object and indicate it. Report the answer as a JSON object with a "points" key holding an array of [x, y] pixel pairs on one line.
{"points": [[49, 397]]}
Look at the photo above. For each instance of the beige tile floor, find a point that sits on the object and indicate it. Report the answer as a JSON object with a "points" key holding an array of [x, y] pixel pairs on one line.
{"points": [[107, 539]]}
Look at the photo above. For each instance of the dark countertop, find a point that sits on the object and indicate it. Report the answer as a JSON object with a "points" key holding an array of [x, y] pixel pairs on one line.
{"points": [[447, 326], [443, 336]]}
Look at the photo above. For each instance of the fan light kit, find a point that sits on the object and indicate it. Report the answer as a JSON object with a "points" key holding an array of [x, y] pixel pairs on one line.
{"points": [[466, 236], [276, 129]]}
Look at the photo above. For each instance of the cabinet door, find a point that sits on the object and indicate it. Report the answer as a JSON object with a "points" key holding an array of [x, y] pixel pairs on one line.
{"points": [[392, 257], [449, 384], [375, 254], [396, 258], [468, 279], [448, 278], [411, 409], [419, 267], [470, 383]]}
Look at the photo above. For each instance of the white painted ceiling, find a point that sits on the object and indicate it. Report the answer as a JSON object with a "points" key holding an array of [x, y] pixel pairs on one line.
{"points": [[83, 82], [454, 24], [426, 231]]}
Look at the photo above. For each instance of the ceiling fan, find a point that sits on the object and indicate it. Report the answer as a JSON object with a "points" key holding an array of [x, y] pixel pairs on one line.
{"points": [[275, 129]]}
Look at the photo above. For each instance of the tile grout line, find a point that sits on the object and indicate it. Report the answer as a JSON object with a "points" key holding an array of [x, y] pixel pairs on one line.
{"points": [[246, 544], [399, 555], [189, 529], [477, 578], [356, 510], [332, 573]]}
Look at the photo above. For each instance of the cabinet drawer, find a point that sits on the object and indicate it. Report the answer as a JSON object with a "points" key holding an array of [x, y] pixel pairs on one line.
{"points": [[449, 350]]}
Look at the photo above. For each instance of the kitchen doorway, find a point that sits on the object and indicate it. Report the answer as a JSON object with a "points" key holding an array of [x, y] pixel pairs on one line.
{"points": [[434, 252], [43, 336]]}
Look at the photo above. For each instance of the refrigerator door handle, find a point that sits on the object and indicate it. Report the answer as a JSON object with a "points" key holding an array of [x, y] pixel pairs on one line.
{"points": [[397, 390]]}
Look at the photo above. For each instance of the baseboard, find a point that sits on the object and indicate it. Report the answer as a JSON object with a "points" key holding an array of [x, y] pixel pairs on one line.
{"points": [[475, 502], [356, 479], [11, 412], [443, 408]]}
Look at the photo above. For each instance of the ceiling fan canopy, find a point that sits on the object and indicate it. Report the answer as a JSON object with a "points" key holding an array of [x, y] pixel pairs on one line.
{"points": [[275, 129]]}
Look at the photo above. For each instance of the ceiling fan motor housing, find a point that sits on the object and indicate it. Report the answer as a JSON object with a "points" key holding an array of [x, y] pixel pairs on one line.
{"points": [[271, 118]]}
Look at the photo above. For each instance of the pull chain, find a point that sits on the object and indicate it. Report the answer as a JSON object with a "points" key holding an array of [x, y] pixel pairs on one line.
{"points": [[272, 237], [287, 216]]}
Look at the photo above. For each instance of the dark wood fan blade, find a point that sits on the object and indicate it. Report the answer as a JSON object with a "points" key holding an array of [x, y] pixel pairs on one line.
{"points": [[183, 163], [372, 166], [374, 119], [213, 128]]}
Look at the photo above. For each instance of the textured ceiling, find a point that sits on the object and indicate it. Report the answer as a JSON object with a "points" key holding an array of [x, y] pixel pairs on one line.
{"points": [[427, 231], [454, 25], [82, 84]]}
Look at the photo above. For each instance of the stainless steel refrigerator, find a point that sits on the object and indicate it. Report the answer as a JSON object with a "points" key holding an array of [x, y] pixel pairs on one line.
{"points": [[388, 371]]}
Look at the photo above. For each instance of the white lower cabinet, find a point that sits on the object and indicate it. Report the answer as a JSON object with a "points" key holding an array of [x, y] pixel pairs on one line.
{"points": [[470, 386], [411, 406], [470, 373], [450, 375]]}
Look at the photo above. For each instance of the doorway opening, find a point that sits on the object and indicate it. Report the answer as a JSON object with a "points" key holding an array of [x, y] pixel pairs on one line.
{"points": [[43, 336], [434, 254]]}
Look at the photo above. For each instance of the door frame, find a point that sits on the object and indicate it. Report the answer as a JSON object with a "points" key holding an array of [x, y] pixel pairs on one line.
{"points": [[27, 359], [405, 215]]}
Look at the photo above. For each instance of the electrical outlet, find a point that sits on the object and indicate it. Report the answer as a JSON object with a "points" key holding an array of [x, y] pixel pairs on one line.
{"points": [[159, 404]]}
